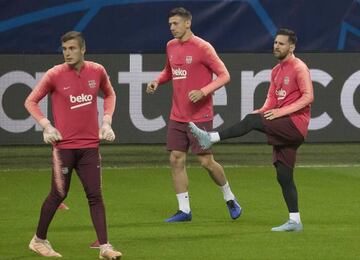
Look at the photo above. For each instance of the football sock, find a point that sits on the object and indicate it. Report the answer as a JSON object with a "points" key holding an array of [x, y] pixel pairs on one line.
{"points": [[250, 122], [184, 203], [286, 181], [214, 137], [228, 195], [37, 239], [295, 216]]}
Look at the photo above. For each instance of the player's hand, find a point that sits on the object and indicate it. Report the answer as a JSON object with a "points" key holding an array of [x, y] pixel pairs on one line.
{"points": [[271, 114], [106, 132], [195, 95], [151, 87], [51, 134]]}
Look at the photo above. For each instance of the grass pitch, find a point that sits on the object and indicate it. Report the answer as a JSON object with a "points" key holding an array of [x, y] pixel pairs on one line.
{"points": [[139, 197]]}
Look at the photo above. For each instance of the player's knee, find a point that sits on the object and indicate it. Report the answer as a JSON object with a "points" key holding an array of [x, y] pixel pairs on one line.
{"points": [[253, 121], [284, 178], [59, 196], [177, 160], [94, 197], [206, 162]]}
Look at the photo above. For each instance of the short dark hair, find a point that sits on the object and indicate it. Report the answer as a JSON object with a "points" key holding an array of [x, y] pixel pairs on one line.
{"points": [[74, 35], [288, 32], [180, 11]]}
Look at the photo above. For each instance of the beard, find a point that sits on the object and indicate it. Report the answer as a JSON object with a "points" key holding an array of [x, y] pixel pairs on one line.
{"points": [[280, 55]]}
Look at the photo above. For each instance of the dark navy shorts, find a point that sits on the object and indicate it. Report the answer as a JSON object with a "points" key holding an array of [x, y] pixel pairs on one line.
{"points": [[179, 137], [285, 138]]}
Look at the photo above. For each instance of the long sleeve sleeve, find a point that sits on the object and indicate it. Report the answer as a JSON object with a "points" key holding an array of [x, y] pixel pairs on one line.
{"points": [[270, 101], [218, 67], [109, 95], [165, 74], [36, 95]]}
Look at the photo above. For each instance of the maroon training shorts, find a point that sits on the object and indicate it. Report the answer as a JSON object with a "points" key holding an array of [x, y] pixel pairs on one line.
{"points": [[179, 137], [285, 138]]}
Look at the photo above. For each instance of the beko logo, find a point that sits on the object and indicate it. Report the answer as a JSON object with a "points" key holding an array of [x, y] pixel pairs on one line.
{"points": [[81, 100], [179, 73]]}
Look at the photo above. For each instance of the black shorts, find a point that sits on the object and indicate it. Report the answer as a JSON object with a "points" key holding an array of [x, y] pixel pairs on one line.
{"points": [[285, 138]]}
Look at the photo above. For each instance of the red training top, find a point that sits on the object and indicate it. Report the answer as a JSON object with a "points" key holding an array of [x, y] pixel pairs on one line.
{"points": [[291, 91], [191, 65], [74, 102]]}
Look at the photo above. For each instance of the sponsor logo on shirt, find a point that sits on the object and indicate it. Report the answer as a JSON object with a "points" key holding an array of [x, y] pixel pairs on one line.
{"points": [[188, 59], [80, 101], [178, 73], [280, 93], [92, 83]]}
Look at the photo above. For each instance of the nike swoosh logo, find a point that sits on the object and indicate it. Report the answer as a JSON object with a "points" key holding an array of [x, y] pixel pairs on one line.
{"points": [[65, 88]]}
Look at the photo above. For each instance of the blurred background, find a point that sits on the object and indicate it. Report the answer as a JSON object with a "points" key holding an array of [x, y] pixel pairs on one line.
{"points": [[129, 39]]}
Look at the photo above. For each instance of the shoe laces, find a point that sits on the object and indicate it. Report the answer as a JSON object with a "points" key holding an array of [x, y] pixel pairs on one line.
{"points": [[45, 243], [231, 204], [106, 247]]}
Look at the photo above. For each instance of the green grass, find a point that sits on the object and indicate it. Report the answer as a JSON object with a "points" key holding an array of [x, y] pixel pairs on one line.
{"points": [[139, 197], [38, 157]]}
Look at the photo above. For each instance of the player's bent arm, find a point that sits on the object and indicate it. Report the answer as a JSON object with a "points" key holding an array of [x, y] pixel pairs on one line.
{"points": [[50, 133], [270, 101], [222, 79], [213, 61], [165, 75], [32, 101]]}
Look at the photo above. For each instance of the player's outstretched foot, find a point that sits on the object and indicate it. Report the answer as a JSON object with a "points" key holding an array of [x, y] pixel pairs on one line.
{"points": [[202, 136], [290, 225], [42, 247], [63, 206], [179, 217], [234, 208], [108, 252], [95, 245]]}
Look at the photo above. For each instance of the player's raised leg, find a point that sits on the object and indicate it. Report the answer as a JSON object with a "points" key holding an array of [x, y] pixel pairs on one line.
{"points": [[207, 139]]}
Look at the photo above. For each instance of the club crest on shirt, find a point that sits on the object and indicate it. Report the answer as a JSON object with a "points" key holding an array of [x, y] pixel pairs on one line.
{"points": [[280, 93], [188, 59], [92, 83], [286, 80]]}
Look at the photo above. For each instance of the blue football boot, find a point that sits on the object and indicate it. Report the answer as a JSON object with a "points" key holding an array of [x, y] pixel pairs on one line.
{"points": [[180, 216], [234, 208]]}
